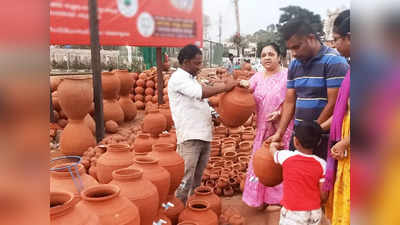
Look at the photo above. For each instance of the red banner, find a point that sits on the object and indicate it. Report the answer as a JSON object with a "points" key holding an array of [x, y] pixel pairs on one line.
{"points": [[157, 23]]}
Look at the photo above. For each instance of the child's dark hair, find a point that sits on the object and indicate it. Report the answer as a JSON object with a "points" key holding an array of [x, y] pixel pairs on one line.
{"points": [[188, 52], [308, 133]]}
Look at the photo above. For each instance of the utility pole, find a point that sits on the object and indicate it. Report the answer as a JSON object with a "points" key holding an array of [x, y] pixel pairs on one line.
{"points": [[236, 2], [220, 27]]}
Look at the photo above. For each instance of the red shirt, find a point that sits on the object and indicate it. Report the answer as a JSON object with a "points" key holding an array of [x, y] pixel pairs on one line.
{"points": [[302, 174]]}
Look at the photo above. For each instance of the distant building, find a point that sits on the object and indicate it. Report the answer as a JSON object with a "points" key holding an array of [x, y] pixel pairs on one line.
{"points": [[328, 24]]}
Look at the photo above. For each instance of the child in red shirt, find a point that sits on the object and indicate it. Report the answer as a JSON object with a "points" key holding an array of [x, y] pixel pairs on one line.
{"points": [[303, 175]]}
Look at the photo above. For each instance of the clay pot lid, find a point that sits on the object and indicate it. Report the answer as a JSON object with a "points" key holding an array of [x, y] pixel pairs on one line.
{"points": [[100, 192], [118, 147], [146, 160], [163, 147], [61, 201], [129, 173], [203, 190], [198, 205]]}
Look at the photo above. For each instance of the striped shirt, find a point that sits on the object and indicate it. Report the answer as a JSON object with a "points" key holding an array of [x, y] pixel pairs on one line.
{"points": [[311, 80]]}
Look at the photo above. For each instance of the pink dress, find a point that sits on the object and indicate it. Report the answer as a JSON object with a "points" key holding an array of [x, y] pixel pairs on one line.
{"points": [[269, 94]]}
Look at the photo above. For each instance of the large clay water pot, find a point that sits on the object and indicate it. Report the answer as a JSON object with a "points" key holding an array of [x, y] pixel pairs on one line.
{"points": [[165, 138], [111, 85], [200, 212], [128, 107], [268, 172], [76, 138], [65, 211], [154, 122], [126, 81], [75, 97], [152, 171], [118, 156], [111, 208], [61, 179], [139, 191], [236, 107], [90, 123], [207, 194], [54, 82], [143, 143], [170, 160], [164, 109], [173, 212], [113, 111]]}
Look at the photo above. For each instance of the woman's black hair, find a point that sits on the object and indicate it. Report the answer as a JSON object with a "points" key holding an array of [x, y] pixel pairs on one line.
{"points": [[341, 25], [188, 52], [308, 133], [275, 47]]}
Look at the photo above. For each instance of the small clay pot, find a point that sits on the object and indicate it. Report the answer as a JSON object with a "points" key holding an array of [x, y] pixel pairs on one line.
{"points": [[200, 212], [207, 194], [228, 191], [111, 126]]}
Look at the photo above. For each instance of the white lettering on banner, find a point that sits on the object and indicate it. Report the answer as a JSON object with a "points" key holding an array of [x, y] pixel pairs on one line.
{"points": [[65, 30], [56, 5], [62, 14]]}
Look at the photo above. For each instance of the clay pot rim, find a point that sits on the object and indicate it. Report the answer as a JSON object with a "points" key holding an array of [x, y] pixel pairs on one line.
{"points": [[146, 160], [203, 190], [75, 78], [58, 171], [193, 202], [163, 147], [230, 154], [188, 222], [107, 73], [130, 173], [67, 202], [112, 189], [143, 135], [118, 147]]}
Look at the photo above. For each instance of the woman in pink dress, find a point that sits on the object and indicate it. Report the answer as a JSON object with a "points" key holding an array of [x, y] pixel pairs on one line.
{"points": [[269, 89]]}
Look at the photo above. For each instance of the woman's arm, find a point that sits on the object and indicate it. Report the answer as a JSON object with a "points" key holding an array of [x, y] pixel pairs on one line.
{"points": [[327, 124]]}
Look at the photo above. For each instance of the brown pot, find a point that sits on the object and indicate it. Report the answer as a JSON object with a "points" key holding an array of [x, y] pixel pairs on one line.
{"points": [[165, 138], [154, 122], [89, 121], [221, 130], [164, 109], [228, 191], [111, 126], [268, 172], [128, 107], [61, 179], [149, 91], [200, 212], [140, 82], [76, 138], [207, 194], [152, 171], [170, 160], [245, 146], [126, 81], [75, 97], [135, 76], [113, 111], [232, 156], [139, 104], [65, 211], [173, 212], [139, 97], [236, 107], [139, 191], [111, 85], [105, 201], [117, 156], [150, 84], [143, 143], [247, 136], [139, 90]]}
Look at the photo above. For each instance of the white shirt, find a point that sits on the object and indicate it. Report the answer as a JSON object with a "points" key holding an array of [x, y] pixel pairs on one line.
{"points": [[191, 113]]}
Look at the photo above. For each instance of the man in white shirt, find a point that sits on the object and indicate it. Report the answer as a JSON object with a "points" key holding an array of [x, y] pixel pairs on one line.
{"points": [[192, 116]]}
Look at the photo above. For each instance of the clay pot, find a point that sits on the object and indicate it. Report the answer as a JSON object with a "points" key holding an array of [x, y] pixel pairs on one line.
{"points": [[149, 91], [200, 212], [111, 85], [164, 109], [221, 130], [143, 143], [61, 179], [166, 99], [268, 172], [165, 138], [139, 97], [135, 76], [126, 81], [214, 100], [232, 156], [154, 122], [170, 160], [93, 170], [139, 90], [75, 97], [222, 182], [139, 191], [111, 127], [113, 111], [140, 82], [247, 136], [65, 211], [148, 98], [228, 191], [188, 222], [54, 82], [245, 146], [143, 76], [150, 84], [117, 156], [228, 148], [207, 194], [173, 212], [163, 219], [111, 208], [76, 138], [139, 104], [236, 137], [128, 107], [152, 171], [154, 99], [235, 130], [89, 121], [236, 220], [236, 107], [55, 100], [62, 123]]}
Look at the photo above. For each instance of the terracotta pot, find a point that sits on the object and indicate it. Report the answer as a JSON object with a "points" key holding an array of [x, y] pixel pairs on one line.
{"points": [[117, 156], [207, 194], [111, 126], [126, 81], [236, 107], [235, 130], [214, 100], [247, 136], [135, 76], [139, 191], [170, 160], [105, 201], [76, 138], [221, 130], [61, 179], [236, 137], [152, 171], [139, 97], [65, 211], [139, 90], [228, 191], [89, 121], [232, 156], [140, 82], [222, 182], [154, 99], [154, 122], [245, 146], [236, 219], [200, 212], [113, 111], [166, 99], [268, 172], [228, 148], [139, 104], [149, 91], [165, 138], [148, 98], [111, 85], [54, 82], [128, 107], [188, 222], [163, 219], [173, 212], [75, 97], [142, 76], [164, 109], [150, 84], [143, 143]]}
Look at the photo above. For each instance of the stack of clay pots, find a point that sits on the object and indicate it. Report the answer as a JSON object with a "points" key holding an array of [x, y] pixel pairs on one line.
{"points": [[125, 101], [113, 113], [231, 216]]}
